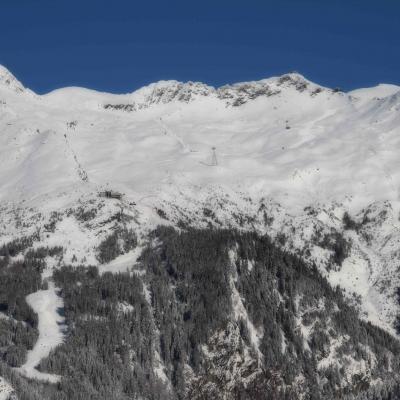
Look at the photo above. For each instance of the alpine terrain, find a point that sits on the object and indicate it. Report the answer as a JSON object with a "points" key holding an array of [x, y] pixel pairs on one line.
{"points": [[191, 242]]}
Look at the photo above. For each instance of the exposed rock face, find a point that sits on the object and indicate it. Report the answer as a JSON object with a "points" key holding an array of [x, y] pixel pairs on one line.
{"points": [[232, 95]]}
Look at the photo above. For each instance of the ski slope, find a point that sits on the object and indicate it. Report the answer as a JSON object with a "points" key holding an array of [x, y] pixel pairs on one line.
{"points": [[47, 304]]}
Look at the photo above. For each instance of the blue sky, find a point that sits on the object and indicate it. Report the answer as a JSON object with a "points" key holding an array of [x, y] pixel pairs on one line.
{"points": [[121, 45]]}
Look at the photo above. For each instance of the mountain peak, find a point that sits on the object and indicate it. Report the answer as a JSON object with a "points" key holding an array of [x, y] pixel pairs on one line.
{"points": [[166, 91], [8, 80]]}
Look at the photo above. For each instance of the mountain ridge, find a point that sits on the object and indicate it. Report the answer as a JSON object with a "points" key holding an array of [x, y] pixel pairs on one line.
{"points": [[7, 78]]}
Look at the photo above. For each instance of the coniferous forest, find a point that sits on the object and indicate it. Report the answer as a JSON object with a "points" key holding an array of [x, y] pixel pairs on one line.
{"points": [[205, 313]]}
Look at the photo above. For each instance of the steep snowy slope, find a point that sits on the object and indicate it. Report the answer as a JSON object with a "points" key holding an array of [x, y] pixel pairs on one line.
{"points": [[315, 169]]}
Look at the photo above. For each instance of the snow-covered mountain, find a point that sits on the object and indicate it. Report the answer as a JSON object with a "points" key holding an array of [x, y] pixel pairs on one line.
{"points": [[285, 137], [315, 169]]}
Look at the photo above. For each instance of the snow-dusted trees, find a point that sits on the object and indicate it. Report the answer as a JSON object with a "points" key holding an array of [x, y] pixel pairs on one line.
{"points": [[119, 242]]}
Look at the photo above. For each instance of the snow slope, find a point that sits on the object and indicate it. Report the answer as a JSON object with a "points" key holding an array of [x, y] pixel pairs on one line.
{"points": [[123, 263], [374, 93]]}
